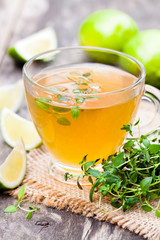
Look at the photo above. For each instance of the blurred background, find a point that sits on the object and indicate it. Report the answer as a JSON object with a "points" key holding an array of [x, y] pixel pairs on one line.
{"points": [[19, 19], [28, 16]]}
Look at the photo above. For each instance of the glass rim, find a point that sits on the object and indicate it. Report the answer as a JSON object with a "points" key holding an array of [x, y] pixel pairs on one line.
{"points": [[52, 91]]}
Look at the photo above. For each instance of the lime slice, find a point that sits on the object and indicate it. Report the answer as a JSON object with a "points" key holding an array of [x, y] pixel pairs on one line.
{"points": [[12, 171], [11, 96], [13, 127], [38, 42]]}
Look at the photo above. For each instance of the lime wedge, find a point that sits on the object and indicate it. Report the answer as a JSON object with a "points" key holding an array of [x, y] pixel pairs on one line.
{"points": [[11, 96], [28, 47], [13, 127], [12, 171]]}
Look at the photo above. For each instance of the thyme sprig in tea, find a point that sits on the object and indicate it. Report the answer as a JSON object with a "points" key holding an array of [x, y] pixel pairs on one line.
{"points": [[129, 176], [81, 82]]}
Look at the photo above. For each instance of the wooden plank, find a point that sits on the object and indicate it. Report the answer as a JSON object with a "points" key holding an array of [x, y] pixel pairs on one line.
{"points": [[28, 18], [8, 17], [62, 225]]}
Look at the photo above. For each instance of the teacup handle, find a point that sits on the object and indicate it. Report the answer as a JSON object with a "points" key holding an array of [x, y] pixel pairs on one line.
{"points": [[149, 112]]}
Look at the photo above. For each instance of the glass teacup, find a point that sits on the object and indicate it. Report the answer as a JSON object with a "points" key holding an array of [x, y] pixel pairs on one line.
{"points": [[79, 99]]}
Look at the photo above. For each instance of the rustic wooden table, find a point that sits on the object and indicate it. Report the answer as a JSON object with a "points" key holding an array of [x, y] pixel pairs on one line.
{"points": [[17, 20]]}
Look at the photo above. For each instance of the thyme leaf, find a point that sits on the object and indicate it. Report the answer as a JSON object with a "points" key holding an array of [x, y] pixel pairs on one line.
{"points": [[42, 102], [75, 112], [63, 121]]}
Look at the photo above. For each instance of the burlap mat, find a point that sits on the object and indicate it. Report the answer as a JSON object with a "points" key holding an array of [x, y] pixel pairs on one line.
{"points": [[42, 188]]}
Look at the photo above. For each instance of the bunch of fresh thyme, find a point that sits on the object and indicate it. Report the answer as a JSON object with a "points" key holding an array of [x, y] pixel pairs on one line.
{"points": [[129, 176]]}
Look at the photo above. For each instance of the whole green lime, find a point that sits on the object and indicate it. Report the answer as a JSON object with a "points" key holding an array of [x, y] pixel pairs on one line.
{"points": [[107, 28], [146, 48]]}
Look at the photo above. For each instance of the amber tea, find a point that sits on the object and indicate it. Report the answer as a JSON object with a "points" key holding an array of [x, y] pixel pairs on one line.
{"points": [[83, 111]]}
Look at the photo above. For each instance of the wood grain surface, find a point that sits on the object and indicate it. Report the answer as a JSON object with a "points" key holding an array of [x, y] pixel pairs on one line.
{"points": [[19, 19]]}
